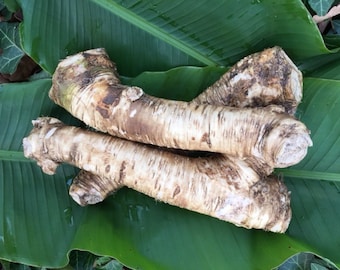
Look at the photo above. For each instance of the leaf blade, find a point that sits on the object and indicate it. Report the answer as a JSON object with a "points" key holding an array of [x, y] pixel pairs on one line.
{"points": [[133, 246], [307, 260], [319, 112], [212, 30], [136, 20], [315, 207], [28, 197], [321, 7], [10, 46]]}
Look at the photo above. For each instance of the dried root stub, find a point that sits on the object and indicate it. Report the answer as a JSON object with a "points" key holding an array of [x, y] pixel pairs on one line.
{"points": [[222, 187], [90, 92], [258, 80]]}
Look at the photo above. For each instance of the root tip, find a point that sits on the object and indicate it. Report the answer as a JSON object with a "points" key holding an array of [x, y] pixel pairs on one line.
{"points": [[83, 197], [293, 150]]}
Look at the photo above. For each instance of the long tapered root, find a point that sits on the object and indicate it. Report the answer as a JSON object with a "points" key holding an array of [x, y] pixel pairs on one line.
{"points": [[229, 188], [265, 78], [129, 113], [222, 187]]}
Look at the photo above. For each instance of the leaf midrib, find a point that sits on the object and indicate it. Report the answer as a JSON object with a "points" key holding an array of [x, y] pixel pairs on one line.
{"points": [[154, 30], [312, 175], [6, 36], [8, 155]]}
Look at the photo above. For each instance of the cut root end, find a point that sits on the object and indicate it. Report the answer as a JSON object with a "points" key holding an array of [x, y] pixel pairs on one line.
{"points": [[289, 143], [293, 151]]}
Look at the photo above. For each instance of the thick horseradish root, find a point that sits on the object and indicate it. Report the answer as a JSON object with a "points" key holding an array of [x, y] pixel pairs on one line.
{"points": [[91, 92], [94, 68], [218, 186], [264, 78]]}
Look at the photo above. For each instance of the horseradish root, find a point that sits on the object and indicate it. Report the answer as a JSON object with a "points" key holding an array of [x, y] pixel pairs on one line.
{"points": [[260, 79], [265, 78], [93, 185], [218, 186], [90, 92]]}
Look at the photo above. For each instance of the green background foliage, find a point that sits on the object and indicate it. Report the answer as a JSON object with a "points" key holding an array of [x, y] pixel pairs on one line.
{"points": [[11, 52], [172, 49], [321, 7]]}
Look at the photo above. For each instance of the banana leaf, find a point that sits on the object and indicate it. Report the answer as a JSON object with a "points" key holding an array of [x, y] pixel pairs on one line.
{"points": [[40, 224], [158, 35], [139, 231]]}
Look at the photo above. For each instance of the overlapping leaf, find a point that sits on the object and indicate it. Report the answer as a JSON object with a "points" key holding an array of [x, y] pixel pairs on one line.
{"points": [[11, 52], [321, 7], [307, 260]]}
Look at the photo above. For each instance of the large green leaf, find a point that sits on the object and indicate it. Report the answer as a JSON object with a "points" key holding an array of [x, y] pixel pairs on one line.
{"points": [[137, 230], [140, 232], [158, 35]]}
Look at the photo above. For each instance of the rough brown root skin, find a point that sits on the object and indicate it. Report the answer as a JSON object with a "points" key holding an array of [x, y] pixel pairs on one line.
{"points": [[260, 79], [129, 113], [224, 188], [88, 188], [265, 78]]}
